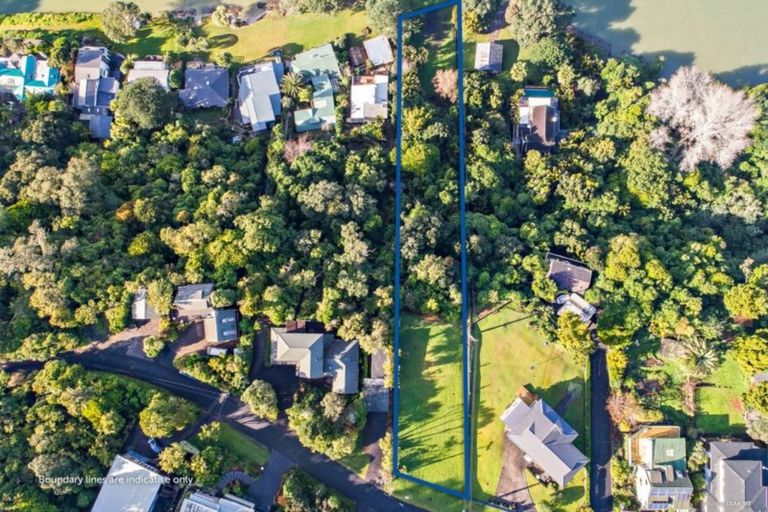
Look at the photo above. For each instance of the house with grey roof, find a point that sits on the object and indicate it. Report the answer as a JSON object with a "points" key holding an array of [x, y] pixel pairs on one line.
{"points": [[374, 390], [192, 300], [574, 303], [378, 50], [220, 326], [568, 274], [657, 454], [545, 438], [737, 478], [205, 87], [154, 68], [259, 97], [92, 98], [95, 89], [92, 62], [317, 355], [488, 57], [141, 309]]}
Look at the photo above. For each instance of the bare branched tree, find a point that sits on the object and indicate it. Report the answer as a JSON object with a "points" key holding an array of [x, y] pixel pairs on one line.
{"points": [[294, 148], [705, 120], [446, 82]]}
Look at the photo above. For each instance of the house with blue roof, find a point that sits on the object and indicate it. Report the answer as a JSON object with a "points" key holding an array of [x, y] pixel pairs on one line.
{"points": [[27, 74], [259, 98]]}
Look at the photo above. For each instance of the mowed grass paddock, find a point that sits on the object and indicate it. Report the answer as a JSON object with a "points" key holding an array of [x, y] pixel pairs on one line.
{"points": [[512, 355], [289, 34], [431, 436]]}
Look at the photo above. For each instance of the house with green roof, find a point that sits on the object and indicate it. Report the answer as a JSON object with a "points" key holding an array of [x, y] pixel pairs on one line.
{"points": [[317, 62], [322, 112], [661, 479], [22, 75]]}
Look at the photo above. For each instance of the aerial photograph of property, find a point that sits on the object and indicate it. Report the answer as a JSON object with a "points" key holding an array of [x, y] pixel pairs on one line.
{"points": [[383, 255]]}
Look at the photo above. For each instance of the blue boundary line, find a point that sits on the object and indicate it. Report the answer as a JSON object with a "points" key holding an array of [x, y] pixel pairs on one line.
{"points": [[466, 493]]}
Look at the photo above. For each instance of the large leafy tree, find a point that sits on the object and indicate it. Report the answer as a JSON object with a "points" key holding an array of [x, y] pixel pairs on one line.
{"points": [[121, 20], [144, 104], [534, 20]]}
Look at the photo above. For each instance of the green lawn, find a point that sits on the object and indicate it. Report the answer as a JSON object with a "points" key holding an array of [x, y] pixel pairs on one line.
{"points": [[439, 37], [718, 400], [249, 453], [511, 48], [291, 34], [512, 354], [14, 6], [431, 436]]}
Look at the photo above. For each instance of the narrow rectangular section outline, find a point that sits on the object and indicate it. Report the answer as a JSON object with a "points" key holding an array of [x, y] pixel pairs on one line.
{"points": [[466, 494]]}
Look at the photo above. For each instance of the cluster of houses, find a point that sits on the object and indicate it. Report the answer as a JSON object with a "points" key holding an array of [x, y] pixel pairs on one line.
{"points": [[97, 80], [260, 99], [133, 484], [736, 475]]}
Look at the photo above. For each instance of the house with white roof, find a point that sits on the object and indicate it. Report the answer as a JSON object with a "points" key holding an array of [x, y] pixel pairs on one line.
{"points": [[369, 98], [130, 486], [488, 57], [201, 502], [379, 51], [259, 98]]}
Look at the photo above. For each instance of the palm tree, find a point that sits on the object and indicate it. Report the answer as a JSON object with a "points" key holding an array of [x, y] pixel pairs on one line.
{"points": [[701, 357], [292, 84]]}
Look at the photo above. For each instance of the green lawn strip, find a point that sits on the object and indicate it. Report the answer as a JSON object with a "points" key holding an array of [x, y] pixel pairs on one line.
{"points": [[250, 454], [431, 437], [719, 409], [513, 354], [427, 498], [358, 460]]}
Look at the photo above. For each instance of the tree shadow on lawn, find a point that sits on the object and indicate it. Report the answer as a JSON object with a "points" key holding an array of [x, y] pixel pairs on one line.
{"points": [[431, 431], [222, 41]]}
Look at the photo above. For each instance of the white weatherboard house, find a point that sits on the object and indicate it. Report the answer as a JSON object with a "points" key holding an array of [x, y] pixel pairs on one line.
{"points": [[130, 486]]}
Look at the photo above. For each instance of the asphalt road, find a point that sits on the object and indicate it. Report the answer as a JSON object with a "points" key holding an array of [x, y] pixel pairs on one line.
{"points": [[275, 435], [600, 456]]}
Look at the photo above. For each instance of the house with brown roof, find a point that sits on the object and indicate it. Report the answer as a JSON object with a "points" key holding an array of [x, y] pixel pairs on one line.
{"points": [[538, 126], [568, 274]]}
